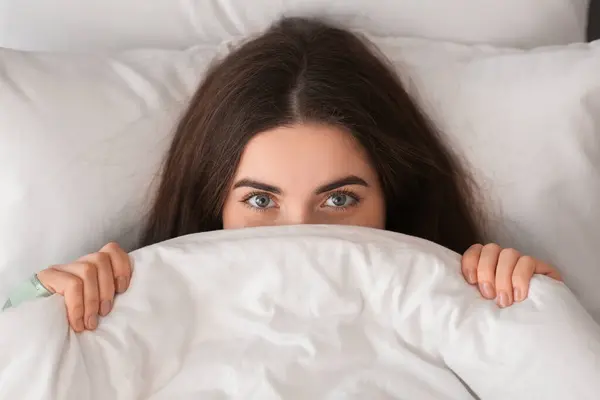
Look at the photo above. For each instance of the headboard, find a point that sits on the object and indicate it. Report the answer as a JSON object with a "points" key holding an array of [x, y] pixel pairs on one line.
{"points": [[594, 20]]}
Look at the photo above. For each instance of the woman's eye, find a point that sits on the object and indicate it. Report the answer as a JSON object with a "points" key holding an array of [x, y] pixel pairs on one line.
{"points": [[261, 201], [340, 200]]}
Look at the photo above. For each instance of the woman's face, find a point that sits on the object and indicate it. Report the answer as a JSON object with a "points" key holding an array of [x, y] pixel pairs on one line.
{"points": [[304, 174]]}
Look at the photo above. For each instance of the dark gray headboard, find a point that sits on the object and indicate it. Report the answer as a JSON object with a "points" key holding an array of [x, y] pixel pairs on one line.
{"points": [[594, 20]]}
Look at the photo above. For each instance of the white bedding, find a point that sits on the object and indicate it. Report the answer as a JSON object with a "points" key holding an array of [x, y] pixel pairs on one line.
{"points": [[92, 25], [309, 312], [82, 136]]}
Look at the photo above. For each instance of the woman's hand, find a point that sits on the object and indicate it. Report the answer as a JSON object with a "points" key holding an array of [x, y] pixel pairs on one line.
{"points": [[89, 284], [502, 274]]}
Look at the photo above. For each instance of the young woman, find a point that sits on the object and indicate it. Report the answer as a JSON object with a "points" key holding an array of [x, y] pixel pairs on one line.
{"points": [[305, 124]]}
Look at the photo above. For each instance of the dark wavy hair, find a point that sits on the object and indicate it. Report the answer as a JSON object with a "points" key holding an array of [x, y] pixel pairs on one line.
{"points": [[307, 70]]}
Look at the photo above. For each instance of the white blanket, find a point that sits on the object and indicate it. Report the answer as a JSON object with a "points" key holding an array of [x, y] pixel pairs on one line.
{"points": [[308, 312]]}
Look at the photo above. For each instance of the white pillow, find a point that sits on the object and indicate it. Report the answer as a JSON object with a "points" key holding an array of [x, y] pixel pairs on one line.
{"points": [[309, 312], [81, 138], [528, 124], [79, 25]]}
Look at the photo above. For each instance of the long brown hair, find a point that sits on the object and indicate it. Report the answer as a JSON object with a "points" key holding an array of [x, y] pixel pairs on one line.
{"points": [[306, 70]]}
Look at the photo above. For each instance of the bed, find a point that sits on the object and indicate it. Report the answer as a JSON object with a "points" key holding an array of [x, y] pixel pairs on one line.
{"points": [[87, 108]]}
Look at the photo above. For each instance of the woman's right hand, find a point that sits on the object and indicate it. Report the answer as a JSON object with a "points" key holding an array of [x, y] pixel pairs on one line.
{"points": [[89, 284]]}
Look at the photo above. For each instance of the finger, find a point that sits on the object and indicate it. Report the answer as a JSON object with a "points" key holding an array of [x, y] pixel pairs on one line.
{"points": [[88, 273], [543, 268], [71, 288], [504, 270], [106, 282], [521, 277], [469, 263], [121, 265], [486, 270]]}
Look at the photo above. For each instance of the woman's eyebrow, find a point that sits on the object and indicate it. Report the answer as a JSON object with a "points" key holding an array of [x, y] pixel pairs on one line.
{"points": [[251, 183], [349, 180]]}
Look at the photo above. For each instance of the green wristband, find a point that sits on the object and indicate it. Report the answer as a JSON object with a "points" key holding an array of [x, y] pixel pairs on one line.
{"points": [[28, 290]]}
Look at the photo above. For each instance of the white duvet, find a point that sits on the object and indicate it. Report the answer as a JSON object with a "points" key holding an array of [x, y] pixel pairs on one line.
{"points": [[308, 312]]}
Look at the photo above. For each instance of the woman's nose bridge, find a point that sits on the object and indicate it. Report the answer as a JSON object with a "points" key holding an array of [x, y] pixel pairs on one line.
{"points": [[296, 215]]}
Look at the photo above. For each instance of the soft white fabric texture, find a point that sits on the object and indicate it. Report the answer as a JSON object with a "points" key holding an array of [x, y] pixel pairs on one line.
{"points": [[82, 136], [81, 139], [91, 25], [311, 312], [528, 125]]}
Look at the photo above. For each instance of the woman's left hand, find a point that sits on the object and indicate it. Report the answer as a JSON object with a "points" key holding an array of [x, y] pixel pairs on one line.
{"points": [[502, 274]]}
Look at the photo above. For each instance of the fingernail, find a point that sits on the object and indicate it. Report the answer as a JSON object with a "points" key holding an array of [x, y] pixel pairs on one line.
{"points": [[487, 290], [79, 325], [92, 322], [517, 294], [503, 299], [121, 284], [105, 307], [471, 277]]}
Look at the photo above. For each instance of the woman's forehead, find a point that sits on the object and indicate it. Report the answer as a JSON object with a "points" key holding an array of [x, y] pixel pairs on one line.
{"points": [[303, 155]]}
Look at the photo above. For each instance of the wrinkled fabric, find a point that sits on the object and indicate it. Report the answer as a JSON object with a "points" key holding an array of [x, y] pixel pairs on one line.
{"points": [[91, 26], [304, 313]]}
